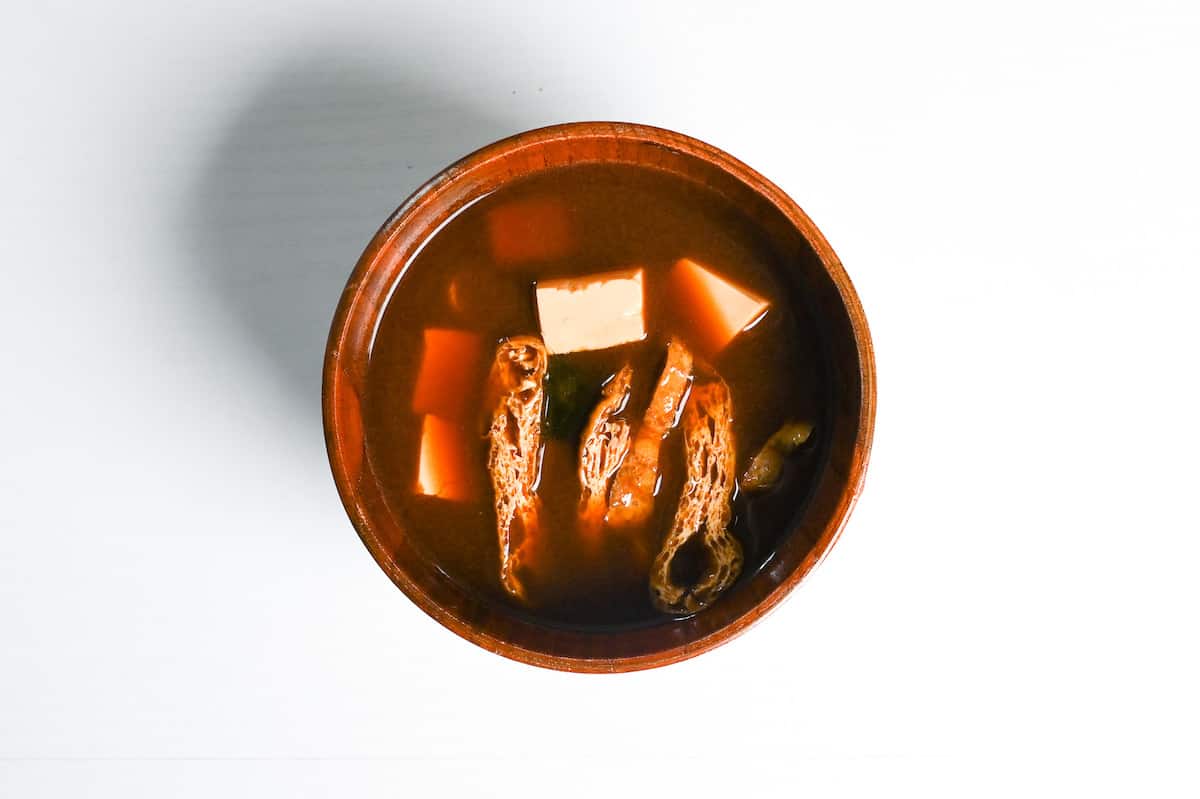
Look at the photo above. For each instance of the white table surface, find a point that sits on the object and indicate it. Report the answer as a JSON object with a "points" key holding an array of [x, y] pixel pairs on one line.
{"points": [[184, 607]]}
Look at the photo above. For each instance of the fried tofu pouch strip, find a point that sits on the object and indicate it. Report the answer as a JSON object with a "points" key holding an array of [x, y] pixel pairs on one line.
{"points": [[605, 445], [514, 457], [704, 506], [631, 499]]}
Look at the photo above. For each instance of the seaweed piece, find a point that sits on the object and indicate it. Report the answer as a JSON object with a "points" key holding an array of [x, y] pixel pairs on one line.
{"points": [[567, 401]]}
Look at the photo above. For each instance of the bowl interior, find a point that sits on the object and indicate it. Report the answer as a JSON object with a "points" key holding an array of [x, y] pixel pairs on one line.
{"points": [[814, 277]]}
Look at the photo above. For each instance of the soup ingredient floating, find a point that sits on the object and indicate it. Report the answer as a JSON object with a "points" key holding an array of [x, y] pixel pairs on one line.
{"points": [[444, 469], [514, 458], [632, 496], [592, 313], [705, 506], [767, 466], [450, 364], [530, 230], [567, 401], [717, 310], [605, 444]]}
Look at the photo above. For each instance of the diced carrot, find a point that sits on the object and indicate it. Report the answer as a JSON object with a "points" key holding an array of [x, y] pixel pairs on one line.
{"points": [[444, 469], [529, 230], [714, 309], [451, 373]]}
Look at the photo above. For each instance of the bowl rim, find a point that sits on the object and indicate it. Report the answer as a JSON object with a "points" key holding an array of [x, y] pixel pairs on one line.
{"points": [[687, 145]]}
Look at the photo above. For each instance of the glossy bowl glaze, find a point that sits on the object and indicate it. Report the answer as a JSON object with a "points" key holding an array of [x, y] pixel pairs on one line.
{"points": [[819, 280]]}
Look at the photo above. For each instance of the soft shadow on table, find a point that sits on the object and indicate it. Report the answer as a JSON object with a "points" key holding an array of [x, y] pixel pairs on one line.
{"points": [[318, 157]]}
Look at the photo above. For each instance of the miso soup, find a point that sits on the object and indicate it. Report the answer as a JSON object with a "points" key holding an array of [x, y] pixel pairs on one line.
{"points": [[595, 402]]}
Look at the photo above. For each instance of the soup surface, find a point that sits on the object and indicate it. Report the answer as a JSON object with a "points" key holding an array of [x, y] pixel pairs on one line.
{"points": [[475, 283]]}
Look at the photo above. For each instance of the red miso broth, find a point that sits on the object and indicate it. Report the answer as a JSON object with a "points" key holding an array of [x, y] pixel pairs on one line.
{"points": [[581, 281]]}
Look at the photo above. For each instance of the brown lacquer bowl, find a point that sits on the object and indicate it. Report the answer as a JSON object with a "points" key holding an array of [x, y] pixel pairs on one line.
{"points": [[815, 276]]}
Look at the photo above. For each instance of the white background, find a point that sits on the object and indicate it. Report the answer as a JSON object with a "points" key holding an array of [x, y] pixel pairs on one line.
{"points": [[184, 608]]}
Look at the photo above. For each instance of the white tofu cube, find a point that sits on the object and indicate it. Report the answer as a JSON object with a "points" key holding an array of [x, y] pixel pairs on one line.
{"points": [[593, 312]]}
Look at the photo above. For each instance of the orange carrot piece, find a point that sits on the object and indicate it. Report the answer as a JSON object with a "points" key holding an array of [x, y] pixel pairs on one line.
{"points": [[714, 310], [529, 230], [450, 375], [444, 470]]}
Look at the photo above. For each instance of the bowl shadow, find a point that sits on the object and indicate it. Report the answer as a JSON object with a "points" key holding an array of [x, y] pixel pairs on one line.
{"points": [[317, 158]]}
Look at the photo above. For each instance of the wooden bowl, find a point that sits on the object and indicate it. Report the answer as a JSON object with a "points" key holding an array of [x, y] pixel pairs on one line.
{"points": [[816, 272]]}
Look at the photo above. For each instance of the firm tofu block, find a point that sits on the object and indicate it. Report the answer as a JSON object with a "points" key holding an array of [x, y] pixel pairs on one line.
{"points": [[593, 312], [444, 469], [529, 230], [716, 309], [451, 369]]}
